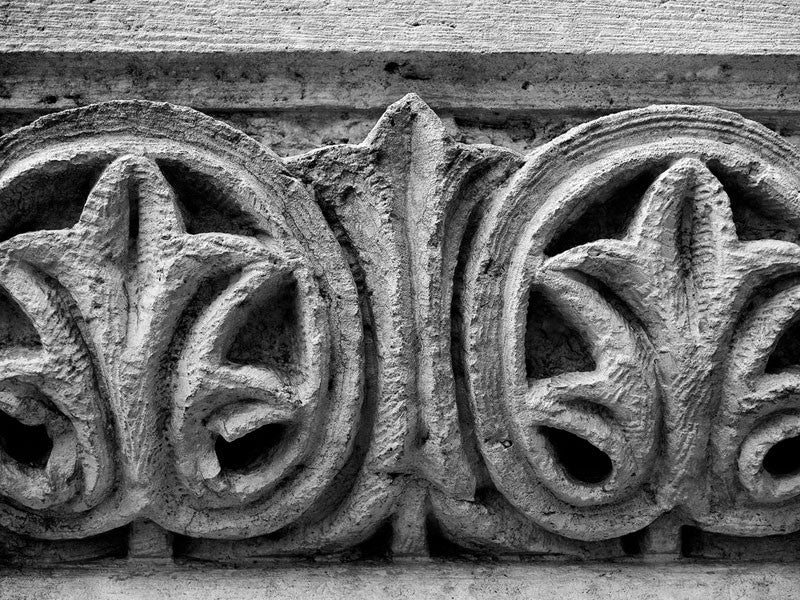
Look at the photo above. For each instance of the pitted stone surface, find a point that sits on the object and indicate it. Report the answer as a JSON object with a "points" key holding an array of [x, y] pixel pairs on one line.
{"points": [[584, 27], [409, 346]]}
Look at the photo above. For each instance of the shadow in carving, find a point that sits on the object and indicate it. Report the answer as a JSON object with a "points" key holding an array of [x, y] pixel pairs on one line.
{"points": [[404, 347]]}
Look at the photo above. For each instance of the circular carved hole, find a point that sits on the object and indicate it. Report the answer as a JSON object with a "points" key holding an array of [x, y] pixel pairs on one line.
{"points": [[582, 460], [252, 449], [27, 444], [783, 458]]}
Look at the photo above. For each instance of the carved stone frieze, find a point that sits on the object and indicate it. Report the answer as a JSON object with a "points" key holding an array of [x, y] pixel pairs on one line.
{"points": [[409, 345]]}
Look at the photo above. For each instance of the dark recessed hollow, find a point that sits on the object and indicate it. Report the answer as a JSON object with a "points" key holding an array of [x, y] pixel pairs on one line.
{"points": [[16, 329], [29, 445], [377, 547], [756, 214], [49, 198], [693, 542], [205, 207], [631, 543], [439, 544], [270, 335], [552, 346], [582, 460], [787, 351], [252, 449], [608, 217], [783, 458]]}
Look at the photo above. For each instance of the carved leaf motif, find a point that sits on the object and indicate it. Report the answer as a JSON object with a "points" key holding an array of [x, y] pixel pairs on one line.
{"points": [[754, 478], [160, 308], [552, 360], [400, 204], [216, 397], [676, 277], [69, 468], [684, 273], [614, 407]]}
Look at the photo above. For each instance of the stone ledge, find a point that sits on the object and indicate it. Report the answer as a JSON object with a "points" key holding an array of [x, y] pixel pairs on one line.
{"points": [[588, 26], [481, 85], [423, 581]]}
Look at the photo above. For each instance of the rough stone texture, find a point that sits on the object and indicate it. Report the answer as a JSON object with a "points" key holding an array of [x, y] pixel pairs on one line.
{"points": [[629, 26], [439, 581], [180, 235], [497, 325], [405, 347], [656, 236], [454, 80]]}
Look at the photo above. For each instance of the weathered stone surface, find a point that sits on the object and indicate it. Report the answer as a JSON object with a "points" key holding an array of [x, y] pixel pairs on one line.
{"points": [[214, 304], [472, 85], [648, 236], [433, 580], [588, 26], [406, 347]]}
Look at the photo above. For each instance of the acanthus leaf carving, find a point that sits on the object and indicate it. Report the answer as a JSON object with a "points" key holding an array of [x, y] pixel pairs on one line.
{"points": [[674, 275], [149, 287], [449, 343]]}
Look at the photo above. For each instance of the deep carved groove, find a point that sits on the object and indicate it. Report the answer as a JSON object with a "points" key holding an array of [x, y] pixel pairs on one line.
{"points": [[342, 483], [581, 460], [552, 346], [133, 222], [457, 329], [684, 244]]}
